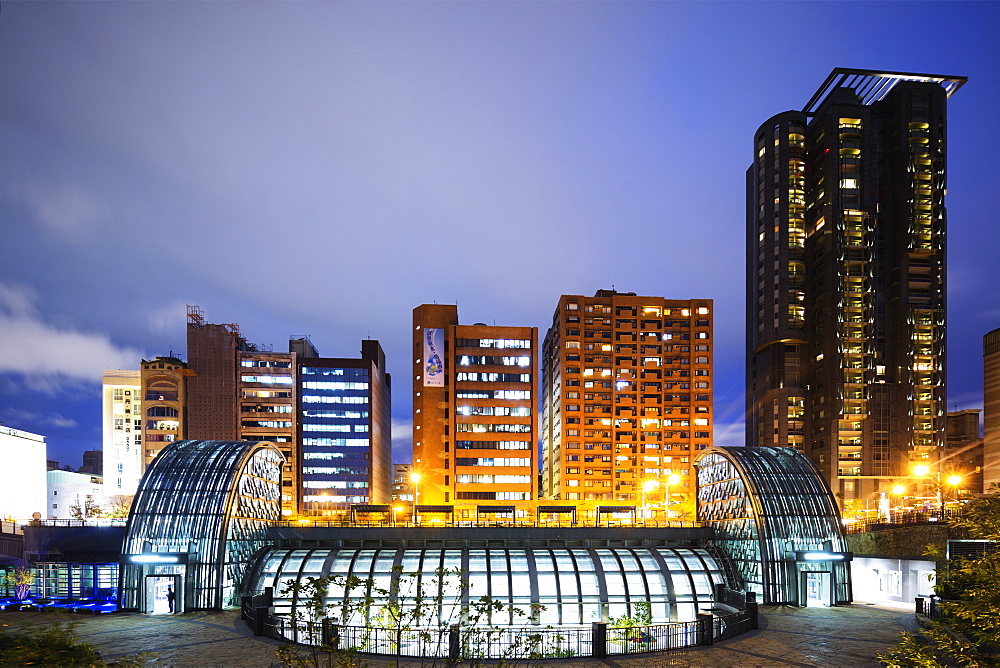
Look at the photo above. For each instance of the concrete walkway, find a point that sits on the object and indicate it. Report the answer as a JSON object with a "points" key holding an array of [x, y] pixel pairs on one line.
{"points": [[844, 636]]}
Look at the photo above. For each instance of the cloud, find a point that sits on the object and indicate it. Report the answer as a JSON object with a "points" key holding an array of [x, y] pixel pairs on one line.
{"points": [[169, 318], [49, 358], [21, 416], [402, 440], [733, 433], [63, 211]]}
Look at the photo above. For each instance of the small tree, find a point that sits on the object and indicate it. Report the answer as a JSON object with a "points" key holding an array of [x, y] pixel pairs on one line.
{"points": [[90, 509], [118, 506], [21, 580]]}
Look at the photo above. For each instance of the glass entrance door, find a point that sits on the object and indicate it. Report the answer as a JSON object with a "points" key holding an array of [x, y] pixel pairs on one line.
{"points": [[816, 585], [162, 594]]}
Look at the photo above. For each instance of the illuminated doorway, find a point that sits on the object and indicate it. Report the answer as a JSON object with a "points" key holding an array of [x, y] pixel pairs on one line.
{"points": [[816, 588], [159, 591]]}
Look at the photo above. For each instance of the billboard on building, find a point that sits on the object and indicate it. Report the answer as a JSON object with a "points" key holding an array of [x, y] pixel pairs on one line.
{"points": [[433, 358]]}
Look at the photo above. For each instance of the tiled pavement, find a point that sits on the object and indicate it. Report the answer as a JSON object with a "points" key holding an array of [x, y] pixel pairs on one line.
{"points": [[844, 636]]}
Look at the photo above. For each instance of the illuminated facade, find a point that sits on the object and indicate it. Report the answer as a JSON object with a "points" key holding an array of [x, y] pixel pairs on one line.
{"points": [[475, 422], [200, 514], [774, 515], [164, 386], [627, 397], [846, 278], [346, 428], [121, 422]]}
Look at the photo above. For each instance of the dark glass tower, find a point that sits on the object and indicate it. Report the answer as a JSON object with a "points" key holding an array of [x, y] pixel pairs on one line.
{"points": [[846, 278]]}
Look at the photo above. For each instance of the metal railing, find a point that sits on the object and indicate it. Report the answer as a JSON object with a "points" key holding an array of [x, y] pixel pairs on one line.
{"points": [[928, 606], [504, 643], [89, 522], [436, 522], [902, 519]]}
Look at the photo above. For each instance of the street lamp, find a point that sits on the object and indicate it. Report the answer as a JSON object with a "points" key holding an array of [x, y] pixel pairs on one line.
{"points": [[898, 490], [415, 479], [647, 486], [671, 480], [953, 480]]}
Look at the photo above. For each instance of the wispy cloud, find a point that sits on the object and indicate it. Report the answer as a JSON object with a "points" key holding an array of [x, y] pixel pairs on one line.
{"points": [[169, 318], [49, 357], [402, 440], [61, 210], [16, 416]]}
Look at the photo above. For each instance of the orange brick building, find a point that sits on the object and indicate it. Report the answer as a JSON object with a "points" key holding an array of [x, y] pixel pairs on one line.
{"points": [[627, 399]]}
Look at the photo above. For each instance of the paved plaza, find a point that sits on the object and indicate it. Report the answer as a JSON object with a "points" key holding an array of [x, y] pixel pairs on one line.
{"points": [[841, 636]]}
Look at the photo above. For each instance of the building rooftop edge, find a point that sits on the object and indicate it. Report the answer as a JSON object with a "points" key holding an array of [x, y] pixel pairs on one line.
{"points": [[873, 85]]}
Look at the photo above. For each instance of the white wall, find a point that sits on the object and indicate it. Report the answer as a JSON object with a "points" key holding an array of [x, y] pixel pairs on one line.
{"points": [[24, 460], [67, 489], [891, 580]]}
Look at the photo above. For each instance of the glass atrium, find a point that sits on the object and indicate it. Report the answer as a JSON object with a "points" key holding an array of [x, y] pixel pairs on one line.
{"points": [[775, 516], [576, 586], [201, 512]]}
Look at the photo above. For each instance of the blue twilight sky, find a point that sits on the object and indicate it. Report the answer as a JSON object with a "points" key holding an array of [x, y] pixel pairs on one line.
{"points": [[322, 168]]}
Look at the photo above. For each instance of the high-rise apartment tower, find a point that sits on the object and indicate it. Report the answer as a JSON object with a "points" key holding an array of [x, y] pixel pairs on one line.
{"points": [[627, 398], [475, 425], [846, 278]]}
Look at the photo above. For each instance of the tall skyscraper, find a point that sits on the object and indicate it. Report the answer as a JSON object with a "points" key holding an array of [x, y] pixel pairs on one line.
{"points": [[627, 397], [846, 278], [991, 410], [475, 425]]}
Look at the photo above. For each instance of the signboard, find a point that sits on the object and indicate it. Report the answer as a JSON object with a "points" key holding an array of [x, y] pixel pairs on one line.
{"points": [[433, 358]]}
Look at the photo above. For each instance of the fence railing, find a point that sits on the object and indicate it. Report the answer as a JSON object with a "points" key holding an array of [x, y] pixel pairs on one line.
{"points": [[928, 606], [502, 643], [897, 520], [441, 522]]}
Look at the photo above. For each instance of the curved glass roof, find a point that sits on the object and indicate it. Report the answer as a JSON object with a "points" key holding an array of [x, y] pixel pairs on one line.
{"points": [[765, 504], [575, 585], [211, 501]]}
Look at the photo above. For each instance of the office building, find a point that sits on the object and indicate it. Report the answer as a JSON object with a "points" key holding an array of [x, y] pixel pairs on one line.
{"points": [[991, 410], [24, 458], [846, 278], [963, 452], [329, 417], [121, 424], [627, 399], [266, 399], [475, 425], [346, 427]]}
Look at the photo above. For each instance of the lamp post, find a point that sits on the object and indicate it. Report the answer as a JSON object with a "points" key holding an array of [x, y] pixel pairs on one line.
{"points": [[953, 480], [647, 486], [898, 490], [415, 479], [671, 480]]}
